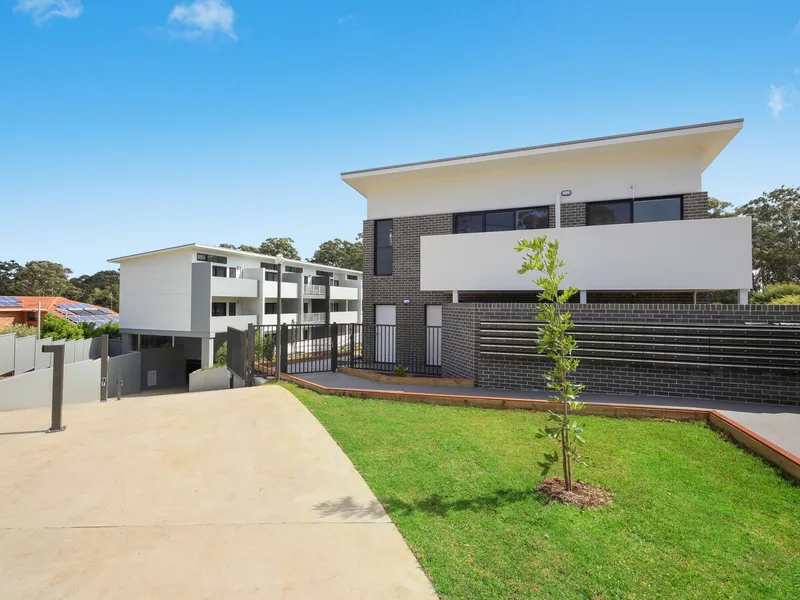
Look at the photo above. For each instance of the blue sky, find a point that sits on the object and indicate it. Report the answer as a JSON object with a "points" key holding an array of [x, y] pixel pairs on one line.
{"points": [[129, 126]]}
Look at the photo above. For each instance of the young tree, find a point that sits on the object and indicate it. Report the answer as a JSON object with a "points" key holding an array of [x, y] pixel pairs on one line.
{"points": [[60, 329], [43, 278], [554, 340]]}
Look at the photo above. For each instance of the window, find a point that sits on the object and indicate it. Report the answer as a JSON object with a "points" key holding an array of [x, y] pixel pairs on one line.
{"points": [[383, 247], [335, 282], [231, 309], [353, 277], [657, 209], [633, 211], [269, 266], [270, 308], [218, 309], [232, 272], [270, 276], [219, 271], [503, 220], [533, 218], [32, 317], [334, 307], [212, 258], [289, 269]]}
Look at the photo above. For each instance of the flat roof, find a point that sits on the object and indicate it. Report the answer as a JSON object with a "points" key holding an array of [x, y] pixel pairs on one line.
{"points": [[217, 249], [543, 148]]}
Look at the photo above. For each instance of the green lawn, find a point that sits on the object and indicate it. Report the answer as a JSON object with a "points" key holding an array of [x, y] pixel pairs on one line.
{"points": [[693, 516]]}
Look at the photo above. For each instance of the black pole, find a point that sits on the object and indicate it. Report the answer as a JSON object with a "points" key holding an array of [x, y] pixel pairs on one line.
{"points": [[278, 346], [103, 368], [58, 386], [334, 346]]}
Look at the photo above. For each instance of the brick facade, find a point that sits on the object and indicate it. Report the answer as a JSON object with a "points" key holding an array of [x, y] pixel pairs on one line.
{"points": [[695, 206], [460, 349], [573, 214]]}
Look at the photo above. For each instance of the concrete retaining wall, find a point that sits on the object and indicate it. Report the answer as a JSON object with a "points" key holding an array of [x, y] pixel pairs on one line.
{"points": [[210, 379], [35, 388], [129, 368]]}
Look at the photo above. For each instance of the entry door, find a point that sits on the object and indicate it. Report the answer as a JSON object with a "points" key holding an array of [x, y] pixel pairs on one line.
{"points": [[385, 321], [433, 335]]}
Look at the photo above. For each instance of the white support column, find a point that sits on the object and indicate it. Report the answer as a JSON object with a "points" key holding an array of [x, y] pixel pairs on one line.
{"points": [[583, 297], [455, 296], [744, 297], [206, 352], [558, 210]]}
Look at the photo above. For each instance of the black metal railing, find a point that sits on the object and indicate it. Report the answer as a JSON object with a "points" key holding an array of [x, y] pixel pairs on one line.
{"points": [[763, 347], [384, 347]]}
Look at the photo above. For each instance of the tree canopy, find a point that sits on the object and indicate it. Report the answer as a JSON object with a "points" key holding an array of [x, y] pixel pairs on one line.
{"points": [[340, 253], [271, 246]]}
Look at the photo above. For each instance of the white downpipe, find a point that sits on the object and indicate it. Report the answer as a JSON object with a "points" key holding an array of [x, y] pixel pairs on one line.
{"points": [[558, 210], [455, 296]]}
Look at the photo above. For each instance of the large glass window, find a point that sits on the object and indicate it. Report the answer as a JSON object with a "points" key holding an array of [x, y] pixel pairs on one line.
{"points": [[469, 223], [231, 309], [383, 247], [534, 218], [658, 209], [500, 221], [218, 309], [608, 213], [270, 308], [219, 271]]}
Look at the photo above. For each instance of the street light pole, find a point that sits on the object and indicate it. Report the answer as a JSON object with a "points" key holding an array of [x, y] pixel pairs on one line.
{"points": [[279, 258]]}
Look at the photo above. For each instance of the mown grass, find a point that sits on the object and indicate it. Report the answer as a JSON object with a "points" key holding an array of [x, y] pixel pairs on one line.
{"points": [[694, 516]]}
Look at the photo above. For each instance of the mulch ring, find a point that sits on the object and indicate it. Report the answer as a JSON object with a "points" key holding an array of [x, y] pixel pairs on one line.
{"points": [[583, 494]]}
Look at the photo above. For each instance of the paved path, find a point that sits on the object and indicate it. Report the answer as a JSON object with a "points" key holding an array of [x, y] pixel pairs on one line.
{"points": [[778, 424], [215, 495]]}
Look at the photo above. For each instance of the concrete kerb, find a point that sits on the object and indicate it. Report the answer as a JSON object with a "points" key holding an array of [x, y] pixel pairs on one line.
{"points": [[786, 461]]}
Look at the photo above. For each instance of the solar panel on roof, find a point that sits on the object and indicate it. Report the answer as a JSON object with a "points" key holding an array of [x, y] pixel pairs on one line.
{"points": [[10, 301]]}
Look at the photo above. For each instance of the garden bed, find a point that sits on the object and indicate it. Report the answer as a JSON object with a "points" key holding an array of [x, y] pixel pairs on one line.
{"points": [[693, 515]]}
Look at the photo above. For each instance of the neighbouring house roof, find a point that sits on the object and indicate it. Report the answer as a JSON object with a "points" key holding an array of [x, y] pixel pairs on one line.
{"points": [[49, 304], [706, 138], [218, 250]]}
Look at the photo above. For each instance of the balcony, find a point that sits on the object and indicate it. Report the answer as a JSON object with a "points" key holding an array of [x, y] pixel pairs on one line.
{"points": [[221, 324], [311, 289], [314, 317], [703, 254], [344, 293], [343, 317], [288, 289], [226, 287], [286, 319]]}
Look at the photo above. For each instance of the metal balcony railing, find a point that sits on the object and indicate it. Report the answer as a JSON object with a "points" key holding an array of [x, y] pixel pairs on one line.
{"points": [[311, 289], [313, 317]]}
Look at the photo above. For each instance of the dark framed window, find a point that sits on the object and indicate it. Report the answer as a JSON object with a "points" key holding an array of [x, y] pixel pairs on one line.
{"points": [[269, 266], [290, 269], [324, 273], [212, 258], [537, 217], [231, 309], [533, 218], [232, 272], [219, 271], [644, 210], [383, 247], [657, 209], [218, 309], [500, 221], [270, 276], [334, 307], [270, 308], [335, 282], [353, 277]]}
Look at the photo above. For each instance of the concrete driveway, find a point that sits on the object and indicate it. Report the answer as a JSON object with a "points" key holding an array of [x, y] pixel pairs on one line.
{"points": [[233, 494]]}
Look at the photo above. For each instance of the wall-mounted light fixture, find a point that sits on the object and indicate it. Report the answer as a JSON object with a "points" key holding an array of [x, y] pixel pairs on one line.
{"points": [[566, 193], [406, 301]]}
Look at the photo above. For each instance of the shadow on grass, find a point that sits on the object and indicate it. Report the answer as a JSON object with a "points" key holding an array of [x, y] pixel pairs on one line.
{"points": [[435, 504]]}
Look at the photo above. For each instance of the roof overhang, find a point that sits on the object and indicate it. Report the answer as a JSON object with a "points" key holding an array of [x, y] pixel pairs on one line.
{"points": [[704, 140]]}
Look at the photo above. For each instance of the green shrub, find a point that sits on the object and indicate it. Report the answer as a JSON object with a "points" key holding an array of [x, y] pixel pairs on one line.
{"points": [[221, 357], [90, 330], [793, 299], [400, 370], [60, 329], [20, 329], [775, 291], [264, 346]]}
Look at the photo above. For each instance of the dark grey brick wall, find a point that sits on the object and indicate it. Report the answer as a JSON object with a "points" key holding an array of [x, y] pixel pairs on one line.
{"points": [[573, 214], [493, 371], [403, 283], [459, 337], [695, 206]]}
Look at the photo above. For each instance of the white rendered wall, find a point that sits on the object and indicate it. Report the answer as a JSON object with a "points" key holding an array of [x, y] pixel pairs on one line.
{"points": [[155, 292], [703, 254], [519, 183]]}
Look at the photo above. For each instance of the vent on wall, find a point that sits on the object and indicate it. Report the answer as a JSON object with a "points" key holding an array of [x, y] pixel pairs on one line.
{"points": [[151, 378]]}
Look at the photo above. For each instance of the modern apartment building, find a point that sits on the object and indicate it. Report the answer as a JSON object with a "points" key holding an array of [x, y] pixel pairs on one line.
{"points": [[629, 212], [189, 295]]}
